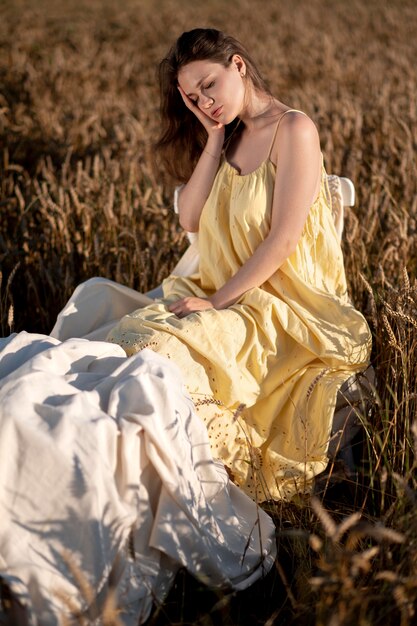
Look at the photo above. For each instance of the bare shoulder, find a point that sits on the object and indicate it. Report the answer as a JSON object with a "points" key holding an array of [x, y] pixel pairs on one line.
{"points": [[295, 130], [297, 122]]}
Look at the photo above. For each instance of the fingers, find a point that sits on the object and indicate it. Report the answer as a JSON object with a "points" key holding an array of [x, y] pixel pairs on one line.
{"points": [[182, 307], [185, 306], [190, 104], [186, 99], [208, 123]]}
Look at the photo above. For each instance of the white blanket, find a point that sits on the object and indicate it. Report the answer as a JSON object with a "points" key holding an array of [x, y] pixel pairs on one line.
{"points": [[106, 476]]}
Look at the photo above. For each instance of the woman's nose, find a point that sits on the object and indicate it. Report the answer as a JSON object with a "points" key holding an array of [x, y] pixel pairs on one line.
{"points": [[206, 101]]}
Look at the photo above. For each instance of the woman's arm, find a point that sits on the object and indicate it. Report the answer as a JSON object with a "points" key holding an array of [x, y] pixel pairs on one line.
{"points": [[296, 185], [195, 192]]}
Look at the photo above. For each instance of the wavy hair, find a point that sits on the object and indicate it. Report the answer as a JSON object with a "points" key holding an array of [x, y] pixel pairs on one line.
{"points": [[182, 136]]}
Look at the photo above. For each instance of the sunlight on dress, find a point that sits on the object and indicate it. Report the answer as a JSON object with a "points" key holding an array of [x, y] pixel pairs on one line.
{"points": [[264, 373]]}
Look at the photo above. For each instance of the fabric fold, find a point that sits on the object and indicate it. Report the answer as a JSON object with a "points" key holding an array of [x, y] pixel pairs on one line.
{"points": [[107, 482]]}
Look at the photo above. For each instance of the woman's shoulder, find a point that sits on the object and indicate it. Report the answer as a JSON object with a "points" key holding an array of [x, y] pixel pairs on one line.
{"points": [[296, 122], [294, 128]]}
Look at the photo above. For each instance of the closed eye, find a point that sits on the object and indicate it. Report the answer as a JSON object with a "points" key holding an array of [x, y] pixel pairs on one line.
{"points": [[209, 86]]}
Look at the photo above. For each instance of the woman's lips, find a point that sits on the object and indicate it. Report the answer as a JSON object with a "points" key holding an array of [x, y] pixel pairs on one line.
{"points": [[217, 111]]}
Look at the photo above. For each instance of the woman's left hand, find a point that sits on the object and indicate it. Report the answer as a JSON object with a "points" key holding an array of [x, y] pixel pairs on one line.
{"points": [[188, 305]]}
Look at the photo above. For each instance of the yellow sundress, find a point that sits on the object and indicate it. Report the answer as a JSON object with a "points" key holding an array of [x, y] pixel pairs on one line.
{"points": [[265, 372]]}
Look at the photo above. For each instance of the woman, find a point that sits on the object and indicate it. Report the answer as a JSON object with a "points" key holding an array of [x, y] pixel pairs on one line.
{"points": [[107, 482], [264, 333]]}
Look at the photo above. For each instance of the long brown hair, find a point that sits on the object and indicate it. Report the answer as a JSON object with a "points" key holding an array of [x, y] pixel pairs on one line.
{"points": [[182, 136]]}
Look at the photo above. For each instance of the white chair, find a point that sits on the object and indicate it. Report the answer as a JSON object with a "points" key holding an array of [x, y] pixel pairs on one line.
{"points": [[342, 191]]}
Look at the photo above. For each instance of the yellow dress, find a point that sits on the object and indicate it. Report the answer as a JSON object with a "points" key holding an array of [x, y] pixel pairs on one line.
{"points": [[265, 372]]}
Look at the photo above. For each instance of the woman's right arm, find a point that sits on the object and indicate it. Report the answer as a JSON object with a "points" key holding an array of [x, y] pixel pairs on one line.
{"points": [[195, 192]]}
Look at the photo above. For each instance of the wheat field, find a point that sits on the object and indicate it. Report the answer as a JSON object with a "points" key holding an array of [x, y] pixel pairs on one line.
{"points": [[80, 196]]}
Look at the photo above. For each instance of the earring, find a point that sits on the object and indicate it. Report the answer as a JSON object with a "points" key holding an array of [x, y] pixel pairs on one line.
{"points": [[242, 73]]}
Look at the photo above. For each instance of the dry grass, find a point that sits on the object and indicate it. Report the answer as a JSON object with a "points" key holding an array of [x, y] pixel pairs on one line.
{"points": [[78, 197]]}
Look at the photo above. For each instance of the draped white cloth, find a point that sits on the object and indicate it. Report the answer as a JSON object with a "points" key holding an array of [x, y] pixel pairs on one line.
{"points": [[106, 476]]}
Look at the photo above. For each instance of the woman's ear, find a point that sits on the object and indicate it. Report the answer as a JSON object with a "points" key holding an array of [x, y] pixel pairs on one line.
{"points": [[239, 63]]}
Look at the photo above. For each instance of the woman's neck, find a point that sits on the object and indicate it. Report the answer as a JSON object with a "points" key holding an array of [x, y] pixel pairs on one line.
{"points": [[259, 105]]}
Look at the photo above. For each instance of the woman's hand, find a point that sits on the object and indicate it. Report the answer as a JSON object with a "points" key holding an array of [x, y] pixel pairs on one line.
{"points": [[185, 306], [211, 126], [194, 194]]}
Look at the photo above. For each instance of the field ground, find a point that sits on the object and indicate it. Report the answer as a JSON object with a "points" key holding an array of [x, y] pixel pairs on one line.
{"points": [[79, 197]]}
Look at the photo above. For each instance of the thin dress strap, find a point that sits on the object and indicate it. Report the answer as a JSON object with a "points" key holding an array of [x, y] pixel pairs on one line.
{"points": [[276, 127]]}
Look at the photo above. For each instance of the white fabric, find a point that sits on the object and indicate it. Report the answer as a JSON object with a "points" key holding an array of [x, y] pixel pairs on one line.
{"points": [[95, 307], [105, 468]]}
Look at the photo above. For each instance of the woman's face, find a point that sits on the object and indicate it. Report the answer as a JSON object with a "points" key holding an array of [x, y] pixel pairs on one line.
{"points": [[217, 90]]}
